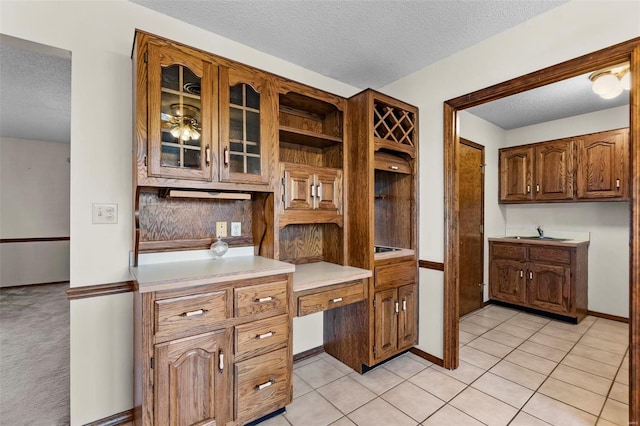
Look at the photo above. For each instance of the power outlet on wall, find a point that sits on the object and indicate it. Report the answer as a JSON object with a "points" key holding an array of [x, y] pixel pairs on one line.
{"points": [[236, 229], [221, 229], [104, 213]]}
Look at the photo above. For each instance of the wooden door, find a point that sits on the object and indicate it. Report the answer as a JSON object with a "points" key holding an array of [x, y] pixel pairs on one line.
{"points": [[328, 191], [386, 323], [507, 280], [408, 316], [247, 129], [516, 171], [549, 287], [554, 171], [190, 381], [602, 165], [471, 232], [182, 107], [298, 187]]}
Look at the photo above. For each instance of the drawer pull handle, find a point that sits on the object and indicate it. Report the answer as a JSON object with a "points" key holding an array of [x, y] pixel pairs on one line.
{"points": [[221, 361], [394, 167], [397, 308], [404, 305], [336, 300], [521, 273], [207, 152], [264, 299], [265, 385], [530, 275], [194, 313], [528, 189], [537, 188], [617, 183], [265, 335]]}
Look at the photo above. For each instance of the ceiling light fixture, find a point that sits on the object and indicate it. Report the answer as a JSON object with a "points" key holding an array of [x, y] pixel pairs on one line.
{"points": [[610, 82], [184, 124]]}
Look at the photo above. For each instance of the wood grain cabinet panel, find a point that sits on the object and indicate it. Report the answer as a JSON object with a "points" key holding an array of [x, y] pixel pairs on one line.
{"points": [[255, 299], [603, 164], [331, 298], [190, 380], [408, 316], [261, 336], [262, 385], [554, 171], [396, 274], [547, 278], [516, 174], [386, 323]]}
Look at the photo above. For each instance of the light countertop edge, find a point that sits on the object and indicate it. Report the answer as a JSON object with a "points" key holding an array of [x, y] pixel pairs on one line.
{"points": [[176, 275], [310, 276], [565, 243], [391, 254]]}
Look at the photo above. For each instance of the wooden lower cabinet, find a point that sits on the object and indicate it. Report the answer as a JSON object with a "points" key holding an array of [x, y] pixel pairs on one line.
{"points": [[542, 277], [191, 381], [395, 313], [213, 354]]}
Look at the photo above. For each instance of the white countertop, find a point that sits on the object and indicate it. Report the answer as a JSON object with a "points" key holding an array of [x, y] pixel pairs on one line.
{"points": [[175, 275], [546, 242], [311, 276], [396, 253]]}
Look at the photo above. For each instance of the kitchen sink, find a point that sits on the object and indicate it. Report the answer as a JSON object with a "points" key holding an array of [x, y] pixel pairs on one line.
{"points": [[537, 237]]}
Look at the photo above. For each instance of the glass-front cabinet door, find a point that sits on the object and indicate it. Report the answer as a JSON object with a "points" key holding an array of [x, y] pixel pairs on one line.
{"points": [[182, 95], [246, 111]]}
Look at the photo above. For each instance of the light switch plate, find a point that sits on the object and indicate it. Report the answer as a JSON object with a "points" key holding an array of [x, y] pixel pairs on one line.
{"points": [[102, 213], [236, 229]]}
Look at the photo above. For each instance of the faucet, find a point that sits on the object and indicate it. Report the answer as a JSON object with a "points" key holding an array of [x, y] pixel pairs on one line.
{"points": [[540, 231]]}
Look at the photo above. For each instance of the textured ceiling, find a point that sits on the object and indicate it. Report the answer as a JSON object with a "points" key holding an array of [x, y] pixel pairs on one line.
{"points": [[35, 93], [365, 43], [552, 102]]}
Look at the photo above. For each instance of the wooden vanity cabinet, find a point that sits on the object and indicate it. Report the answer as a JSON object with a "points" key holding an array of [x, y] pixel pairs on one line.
{"points": [[395, 313], [213, 353], [543, 277]]}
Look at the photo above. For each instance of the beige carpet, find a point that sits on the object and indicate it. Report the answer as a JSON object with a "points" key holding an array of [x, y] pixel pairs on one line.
{"points": [[34, 355]]}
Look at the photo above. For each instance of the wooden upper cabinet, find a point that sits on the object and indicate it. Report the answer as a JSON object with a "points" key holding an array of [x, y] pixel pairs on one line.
{"points": [[516, 170], [554, 171], [247, 126], [603, 164], [182, 100]]}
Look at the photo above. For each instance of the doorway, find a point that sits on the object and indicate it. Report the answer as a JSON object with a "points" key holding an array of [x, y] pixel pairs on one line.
{"points": [[471, 222]]}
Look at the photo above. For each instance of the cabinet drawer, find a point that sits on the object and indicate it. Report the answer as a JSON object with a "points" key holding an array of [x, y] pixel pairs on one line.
{"points": [[260, 298], [262, 385], [330, 299], [508, 251], [262, 336], [189, 314], [550, 254], [396, 275], [391, 163]]}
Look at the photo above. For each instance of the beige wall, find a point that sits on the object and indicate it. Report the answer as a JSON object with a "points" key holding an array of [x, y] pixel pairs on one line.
{"points": [[570, 30], [34, 202]]}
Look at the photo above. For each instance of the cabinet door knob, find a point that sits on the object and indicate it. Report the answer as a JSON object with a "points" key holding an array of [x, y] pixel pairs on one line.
{"points": [[537, 188], [313, 191], [397, 307], [207, 155], [617, 183], [530, 275], [226, 156], [404, 305], [521, 273], [319, 191], [528, 189], [221, 361]]}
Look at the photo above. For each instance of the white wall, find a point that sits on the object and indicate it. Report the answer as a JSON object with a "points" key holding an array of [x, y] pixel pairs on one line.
{"points": [[608, 223], [34, 202], [99, 35], [570, 30]]}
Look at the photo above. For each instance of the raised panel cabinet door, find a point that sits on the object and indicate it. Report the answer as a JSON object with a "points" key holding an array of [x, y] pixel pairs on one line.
{"points": [[298, 187], [603, 165], [190, 381], [328, 191], [408, 316], [182, 113], [516, 170], [247, 126], [554, 171], [507, 280], [549, 287], [386, 323]]}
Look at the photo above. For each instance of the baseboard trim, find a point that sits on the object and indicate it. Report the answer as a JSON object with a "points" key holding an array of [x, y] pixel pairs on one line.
{"points": [[75, 293], [608, 316], [33, 285], [431, 358], [427, 264], [32, 240], [114, 420], [308, 353]]}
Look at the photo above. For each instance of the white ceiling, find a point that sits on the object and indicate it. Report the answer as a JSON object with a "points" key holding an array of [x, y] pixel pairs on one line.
{"points": [[366, 43]]}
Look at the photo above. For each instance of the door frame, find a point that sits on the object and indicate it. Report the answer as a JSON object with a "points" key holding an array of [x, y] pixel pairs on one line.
{"points": [[625, 51], [480, 147]]}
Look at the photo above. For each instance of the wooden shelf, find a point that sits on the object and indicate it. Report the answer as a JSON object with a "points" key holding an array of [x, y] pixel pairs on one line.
{"points": [[309, 217], [393, 146], [308, 138]]}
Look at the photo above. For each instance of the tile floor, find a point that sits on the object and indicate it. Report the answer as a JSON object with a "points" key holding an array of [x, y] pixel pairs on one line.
{"points": [[515, 369]]}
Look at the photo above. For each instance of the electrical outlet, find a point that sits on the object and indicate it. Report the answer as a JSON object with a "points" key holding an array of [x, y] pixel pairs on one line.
{"points": [[221, 229], [104, 213], [236, 229]]}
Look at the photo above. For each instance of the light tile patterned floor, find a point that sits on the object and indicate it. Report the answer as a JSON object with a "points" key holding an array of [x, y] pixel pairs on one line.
{"points": [[515, 369]]}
